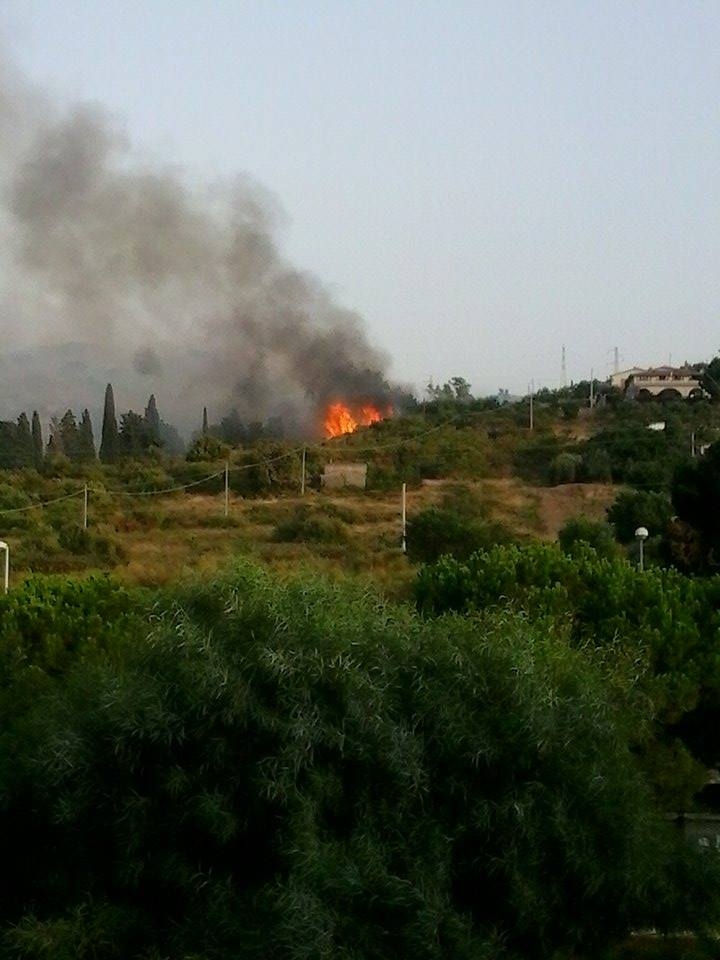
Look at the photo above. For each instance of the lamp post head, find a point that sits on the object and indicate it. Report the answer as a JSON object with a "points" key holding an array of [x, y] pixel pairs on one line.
{"points": [[642, 533]]}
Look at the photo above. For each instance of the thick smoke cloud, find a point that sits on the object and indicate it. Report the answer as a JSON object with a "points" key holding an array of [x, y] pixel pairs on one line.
{"points": [[116, 268]]}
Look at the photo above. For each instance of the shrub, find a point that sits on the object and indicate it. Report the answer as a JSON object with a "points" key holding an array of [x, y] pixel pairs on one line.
{"points": [[46, 621], [300, 771], [639, 508], [92, 545], [310, 525], [438, 530], [564, 468], [593, 533], [663, 623]]}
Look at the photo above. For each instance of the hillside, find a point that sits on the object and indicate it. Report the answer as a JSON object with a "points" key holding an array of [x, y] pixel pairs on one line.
{"points": [[528, 483]]}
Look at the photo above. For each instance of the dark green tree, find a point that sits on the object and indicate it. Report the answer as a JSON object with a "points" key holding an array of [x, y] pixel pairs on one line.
{"points": [[86, 440], [25, 454], [696, 498], [109, 445], [38, 451], [710, 380], [152, 418], [136, 438], [639, 508], [205, 422], [69, 435], [593, 533], [8, 445]]}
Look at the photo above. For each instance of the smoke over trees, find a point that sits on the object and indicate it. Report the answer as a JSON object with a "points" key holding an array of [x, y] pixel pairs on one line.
{"points": [[158, 283]]}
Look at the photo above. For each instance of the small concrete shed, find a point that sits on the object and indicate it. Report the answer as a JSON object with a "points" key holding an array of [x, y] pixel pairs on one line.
{"points": [[337, 476]]}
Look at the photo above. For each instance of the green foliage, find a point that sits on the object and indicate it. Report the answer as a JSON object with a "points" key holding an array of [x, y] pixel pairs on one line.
{"points": [[37, 441], [638, 508], [110, 444], [85, 439], [570, 409], [47, 621], [564, 468], [638, 456], [455, 391], [664, 622], [206, 449], [592, 533], [16, 444], [710, 380], [309, 524], [97, 548], [297, 770], [137, 437], [535, 457], [458, 526], [696, 498], [596, 466]]}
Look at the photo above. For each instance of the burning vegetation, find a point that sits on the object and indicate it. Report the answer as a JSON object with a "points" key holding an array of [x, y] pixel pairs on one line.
{"points": [[341, 418]]}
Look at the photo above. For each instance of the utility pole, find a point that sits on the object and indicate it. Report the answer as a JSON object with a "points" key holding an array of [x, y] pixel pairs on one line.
{"points": [[227, 488], [85, 508], [532, 403], [404, 519], [592, 388], [616, 360], [302, 481], [564, 368], [692, 444], [6, 578]]}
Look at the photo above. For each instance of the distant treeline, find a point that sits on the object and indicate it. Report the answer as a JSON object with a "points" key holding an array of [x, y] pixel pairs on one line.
{"points": [[135, 436]]}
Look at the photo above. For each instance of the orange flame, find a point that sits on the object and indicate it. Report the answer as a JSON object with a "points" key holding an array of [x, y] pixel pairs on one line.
{"points": [[340, 419]]}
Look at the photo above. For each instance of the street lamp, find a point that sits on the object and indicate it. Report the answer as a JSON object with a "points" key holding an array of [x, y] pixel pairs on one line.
{"points": [[6, 548], [641, 535]]}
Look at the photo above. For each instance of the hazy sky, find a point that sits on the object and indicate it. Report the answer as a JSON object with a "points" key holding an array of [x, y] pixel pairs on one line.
{"points": [[483, 181]]}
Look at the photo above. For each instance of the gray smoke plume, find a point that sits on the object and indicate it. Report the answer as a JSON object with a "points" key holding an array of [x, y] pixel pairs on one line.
{"points": [[116, 268]]}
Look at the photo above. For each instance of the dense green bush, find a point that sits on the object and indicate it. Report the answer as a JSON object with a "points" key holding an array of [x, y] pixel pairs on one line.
{"points": [[458, 526], [535, 458], [639, 508], [593, 533], [696, 497], [439, 530], [309, 524], [564, 468], [663, 625], [46, 621], [298, 771], [635, 455]]}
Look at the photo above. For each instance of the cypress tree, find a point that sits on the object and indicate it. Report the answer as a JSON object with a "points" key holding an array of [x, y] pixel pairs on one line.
{"points": [[86, 440], [25, 454], [69, 435], [109, 444], [205, 422], [8, 444], [37, 439], [152, 418]]}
